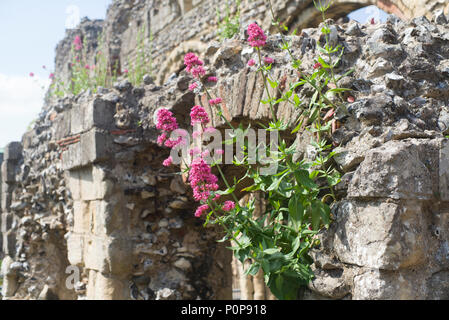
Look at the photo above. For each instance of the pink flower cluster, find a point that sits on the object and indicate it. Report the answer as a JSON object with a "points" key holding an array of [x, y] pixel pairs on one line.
{"points": [[251, 62], [202, 180], [256, 36], [268, 60], [215, 101], [77, 43], [201, 210], [212, 79], [194, 65], [199, 115], [228, 206], [193, 86], [167, 122]]}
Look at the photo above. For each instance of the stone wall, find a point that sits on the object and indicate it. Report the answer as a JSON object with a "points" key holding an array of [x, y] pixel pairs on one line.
{"points": [[180, 26], [87, 210]]}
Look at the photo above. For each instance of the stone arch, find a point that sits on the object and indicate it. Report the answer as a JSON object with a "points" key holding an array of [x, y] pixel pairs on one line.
{"points": [[303, 14]]}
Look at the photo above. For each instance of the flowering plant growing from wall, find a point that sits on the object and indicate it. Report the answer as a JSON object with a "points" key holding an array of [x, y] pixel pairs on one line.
{"points": [[298, 193]]}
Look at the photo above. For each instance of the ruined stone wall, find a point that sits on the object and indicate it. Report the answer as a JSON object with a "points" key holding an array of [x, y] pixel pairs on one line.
{"points": [[85, 188], [180, 26]]}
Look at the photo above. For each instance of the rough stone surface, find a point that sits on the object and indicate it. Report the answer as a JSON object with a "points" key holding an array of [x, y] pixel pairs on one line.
{"points": [[85, 188]]}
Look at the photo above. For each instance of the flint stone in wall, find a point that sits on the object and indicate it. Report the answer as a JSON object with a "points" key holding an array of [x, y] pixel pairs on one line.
{"points": [[396, 171], [381, 235]]}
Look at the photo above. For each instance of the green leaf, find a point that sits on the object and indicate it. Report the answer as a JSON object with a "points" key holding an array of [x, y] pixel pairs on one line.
{"points": [[273, 84], [302, 178], [253, 269], [296, 211]]}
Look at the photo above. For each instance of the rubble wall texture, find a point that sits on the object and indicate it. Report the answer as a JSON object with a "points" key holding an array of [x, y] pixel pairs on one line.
{"points": [[88, 211]]}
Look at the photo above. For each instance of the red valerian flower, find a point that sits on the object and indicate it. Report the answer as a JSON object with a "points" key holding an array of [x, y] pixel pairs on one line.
{"points": [[317, 65], [256, 36], [228, 206]]}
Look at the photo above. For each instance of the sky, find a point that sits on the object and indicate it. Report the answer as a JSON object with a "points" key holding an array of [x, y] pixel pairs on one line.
{"points": [[29, 32]]}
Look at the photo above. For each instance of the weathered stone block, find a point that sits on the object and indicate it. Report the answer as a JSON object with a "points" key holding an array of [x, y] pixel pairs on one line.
{"points": [[380, 235], [71, 158], [99, 113], [9, 171], [6, 201], [13, 151], [102, 287], [96, 255], [95, 146], [75, 248], [382, 285], [81, 217], [9, 243], [7, 220], [395, 171], [444, 171], [62, 125], [76, 120]]}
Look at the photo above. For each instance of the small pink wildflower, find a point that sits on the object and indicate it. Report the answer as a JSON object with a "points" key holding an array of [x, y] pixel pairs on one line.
{"points": [[202, 180], [125, 71], [199, 115], [268, 60], [166, 121], [228, 206], [194, 65], [194, 151], [205, 153], [77, 42], [200, 210], [161, 139], [31, 74], [317, 65], [173, 143], [215, 101], [212, 79], [210, 130], [217, 197], [168, 162], [51, 76], [372, 21], [87, 67], [198, 72], [256, 36], [193, 86], [251, 62], [44, 67]]}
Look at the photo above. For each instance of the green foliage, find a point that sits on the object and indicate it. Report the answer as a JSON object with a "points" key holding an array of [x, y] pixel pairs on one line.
{"points": [[142, 63], [299, 194], [102, 73], [230, 24]]}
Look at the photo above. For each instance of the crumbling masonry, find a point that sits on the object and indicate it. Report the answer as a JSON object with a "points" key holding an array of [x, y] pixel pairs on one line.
{"points": [[88, 211]]}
